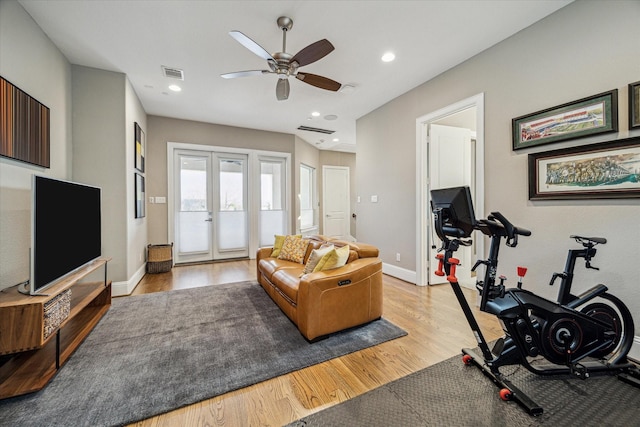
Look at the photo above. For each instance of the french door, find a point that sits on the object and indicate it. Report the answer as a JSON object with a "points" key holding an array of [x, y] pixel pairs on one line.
{"points": [[211, 206]]}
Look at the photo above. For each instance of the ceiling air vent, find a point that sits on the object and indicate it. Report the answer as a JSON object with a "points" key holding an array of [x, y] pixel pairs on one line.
{"points": [[307, 128], [173, 73]]}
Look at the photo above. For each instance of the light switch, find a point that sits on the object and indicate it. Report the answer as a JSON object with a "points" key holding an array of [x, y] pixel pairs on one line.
{"points": [[374, 199], [161, 200], [152, 200]]}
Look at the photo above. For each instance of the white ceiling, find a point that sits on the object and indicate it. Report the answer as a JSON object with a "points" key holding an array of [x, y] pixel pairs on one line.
{"points": [[138, 37]]}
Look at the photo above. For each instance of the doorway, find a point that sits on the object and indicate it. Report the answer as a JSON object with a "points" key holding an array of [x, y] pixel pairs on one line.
{"points": [[211, 206], [225, 203], [447, 137], [335, 202]]}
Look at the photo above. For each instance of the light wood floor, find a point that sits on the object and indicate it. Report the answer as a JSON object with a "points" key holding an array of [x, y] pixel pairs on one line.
{"points": [[431, 315]]}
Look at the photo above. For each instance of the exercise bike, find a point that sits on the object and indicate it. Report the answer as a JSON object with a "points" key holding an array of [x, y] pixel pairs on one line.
{"points": [[579, 334]]}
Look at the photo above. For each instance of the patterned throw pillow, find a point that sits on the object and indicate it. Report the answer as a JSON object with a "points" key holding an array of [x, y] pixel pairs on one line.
{"points": [[293, 249], [277, 245], [315, 257], [333, 259]]}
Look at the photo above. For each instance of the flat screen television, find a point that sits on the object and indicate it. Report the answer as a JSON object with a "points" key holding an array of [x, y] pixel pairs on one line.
{"points": [[65, 230], [455, 207]]}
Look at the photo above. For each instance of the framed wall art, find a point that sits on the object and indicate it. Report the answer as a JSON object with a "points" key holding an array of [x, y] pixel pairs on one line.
{"points": [[590, 116], [598, 171], [140, 148], [634, 105], [140, 196], [24, 126]]}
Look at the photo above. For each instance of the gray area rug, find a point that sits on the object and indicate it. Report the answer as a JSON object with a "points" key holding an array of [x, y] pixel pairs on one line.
{"points": [[453, 394], [154, 353]]}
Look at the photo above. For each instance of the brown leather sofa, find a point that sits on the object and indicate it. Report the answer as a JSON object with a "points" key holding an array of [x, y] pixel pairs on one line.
{"points": [[329, 301]]}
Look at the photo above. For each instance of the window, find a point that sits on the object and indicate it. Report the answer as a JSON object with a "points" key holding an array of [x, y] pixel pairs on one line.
{"points": [[307, 197], [273, 213]]}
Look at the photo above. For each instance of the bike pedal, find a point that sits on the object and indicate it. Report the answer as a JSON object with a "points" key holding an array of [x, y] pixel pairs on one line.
{"points": [[498, 347]]}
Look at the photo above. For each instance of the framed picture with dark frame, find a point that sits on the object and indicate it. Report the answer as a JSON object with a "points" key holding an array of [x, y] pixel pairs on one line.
{"points": [[140, 195], [598, 171], [590, 116], [140, 148], [634, 105]]}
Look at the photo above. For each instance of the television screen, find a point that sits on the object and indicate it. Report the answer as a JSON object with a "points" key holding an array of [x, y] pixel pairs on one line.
{"points": [[456, 207], [66, 229]]}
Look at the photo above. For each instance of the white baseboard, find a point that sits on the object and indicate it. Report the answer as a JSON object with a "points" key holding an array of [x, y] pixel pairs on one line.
{"points": [[399, 272], [634, 354], [119, 289]]}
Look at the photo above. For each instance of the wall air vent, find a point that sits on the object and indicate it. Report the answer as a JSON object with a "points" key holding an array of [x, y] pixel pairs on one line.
{"points": [[173, 73], [310, 129]]}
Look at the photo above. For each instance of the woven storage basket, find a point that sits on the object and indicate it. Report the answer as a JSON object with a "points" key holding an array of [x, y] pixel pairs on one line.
{"points": [[56, 311], [159, 258]]}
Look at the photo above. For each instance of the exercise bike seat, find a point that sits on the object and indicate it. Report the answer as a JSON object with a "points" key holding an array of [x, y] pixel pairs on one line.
{"points": [[582, 239]]}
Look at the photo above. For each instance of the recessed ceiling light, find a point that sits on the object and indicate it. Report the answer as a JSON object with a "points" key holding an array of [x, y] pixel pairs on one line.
{"points": [[315, 114], [175, 88], [330, 117], [388, 57], [336, 139]]}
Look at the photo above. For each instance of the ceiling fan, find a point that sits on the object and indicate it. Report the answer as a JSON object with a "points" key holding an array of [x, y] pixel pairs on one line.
{"points": [[284, 64]]}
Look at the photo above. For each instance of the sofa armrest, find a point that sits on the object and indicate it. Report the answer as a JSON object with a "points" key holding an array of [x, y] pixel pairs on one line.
{"points": [[263, 253], [341, 298]]}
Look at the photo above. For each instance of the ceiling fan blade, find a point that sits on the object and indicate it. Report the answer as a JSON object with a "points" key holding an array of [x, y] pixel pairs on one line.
{"points": [[313, 52], [251, 45], [282, 89], [319, 81], [244, 74]]}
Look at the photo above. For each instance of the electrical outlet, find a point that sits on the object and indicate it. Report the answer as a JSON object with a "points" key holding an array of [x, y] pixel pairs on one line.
{"points": [[398, 256]]}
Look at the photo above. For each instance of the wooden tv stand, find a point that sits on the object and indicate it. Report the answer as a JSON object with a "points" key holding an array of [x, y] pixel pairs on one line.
{"points": [[32, 349]]}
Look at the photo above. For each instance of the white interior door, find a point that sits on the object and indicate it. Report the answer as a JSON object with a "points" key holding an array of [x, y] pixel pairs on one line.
{"points": [[335, 201], [451, 164]]}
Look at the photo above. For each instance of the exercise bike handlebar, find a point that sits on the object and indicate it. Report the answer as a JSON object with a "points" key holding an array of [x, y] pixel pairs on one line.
{"points": [[511, 232]]}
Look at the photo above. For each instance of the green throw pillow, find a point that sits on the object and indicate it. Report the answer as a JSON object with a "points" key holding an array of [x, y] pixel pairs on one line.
{"points": [[333, 259]]}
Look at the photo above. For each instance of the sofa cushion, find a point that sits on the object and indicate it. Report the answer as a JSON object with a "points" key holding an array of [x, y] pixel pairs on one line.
{"points": [[333, 259], [268, 266], [287, 282], [315, 257], [293, 249]]}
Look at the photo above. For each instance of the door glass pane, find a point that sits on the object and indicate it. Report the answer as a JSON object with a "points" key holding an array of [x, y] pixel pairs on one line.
{"points": [[193, 215], [231, 185], [231, 218]]}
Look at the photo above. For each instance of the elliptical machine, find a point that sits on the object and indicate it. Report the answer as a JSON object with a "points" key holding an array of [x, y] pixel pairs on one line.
{"points": [[579, 334]]}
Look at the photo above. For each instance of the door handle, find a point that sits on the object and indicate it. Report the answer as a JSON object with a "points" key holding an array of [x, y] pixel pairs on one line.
{"points": [[209, 220]]}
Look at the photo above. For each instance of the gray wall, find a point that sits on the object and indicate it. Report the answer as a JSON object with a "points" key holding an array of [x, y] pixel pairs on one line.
{"points": [[585, 48], [105, 108], [92, 114], [29, 60], [164, 129]]}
